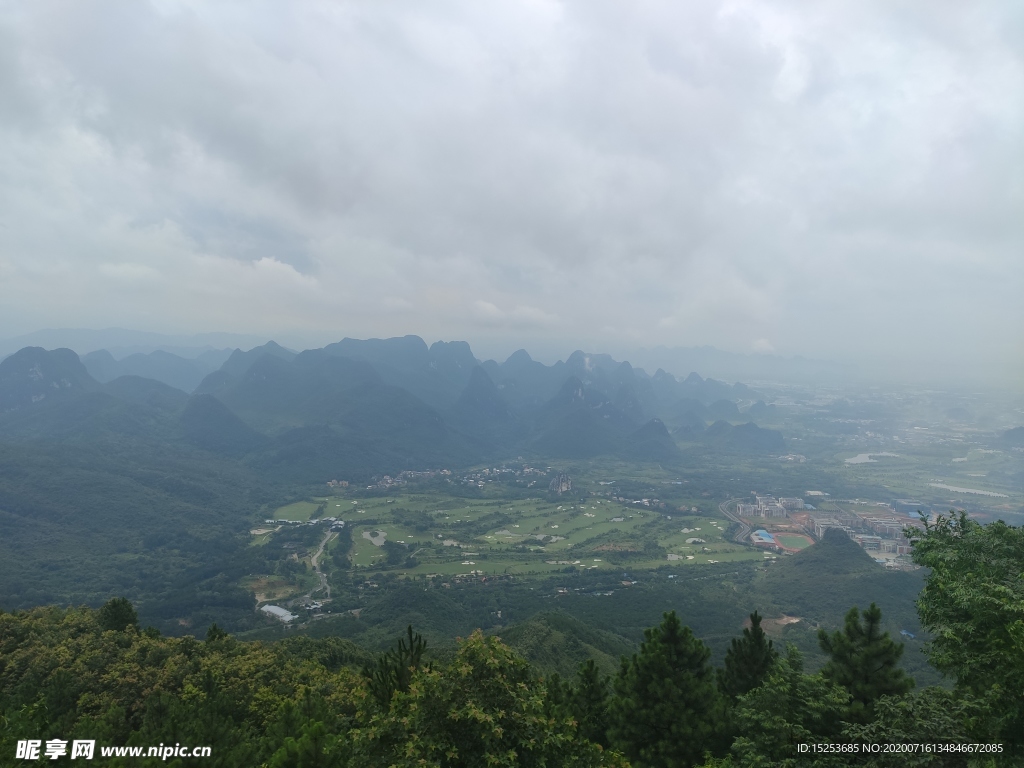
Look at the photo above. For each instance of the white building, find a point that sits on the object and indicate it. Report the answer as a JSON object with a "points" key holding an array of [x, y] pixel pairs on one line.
{"points": [[278, 613], [765, 506]]}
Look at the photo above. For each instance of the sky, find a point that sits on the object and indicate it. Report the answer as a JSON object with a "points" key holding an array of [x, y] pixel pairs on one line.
{"points": [[839, 180]]}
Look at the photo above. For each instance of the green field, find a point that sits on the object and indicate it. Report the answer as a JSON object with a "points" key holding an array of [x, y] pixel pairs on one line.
{"points": [[792, 541], [451, 536], [300, 511]]}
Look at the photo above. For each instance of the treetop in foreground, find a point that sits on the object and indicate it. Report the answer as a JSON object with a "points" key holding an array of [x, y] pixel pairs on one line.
{"points": [[666, 710], [974, 603]]}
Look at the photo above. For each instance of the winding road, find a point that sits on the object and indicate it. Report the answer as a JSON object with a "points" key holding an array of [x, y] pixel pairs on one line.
{"points": [[742, 535], [315, 560]]}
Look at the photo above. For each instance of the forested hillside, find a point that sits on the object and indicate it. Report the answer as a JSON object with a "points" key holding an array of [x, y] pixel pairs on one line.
{"points": [[128, 485], [133, 488], [81, 674]]}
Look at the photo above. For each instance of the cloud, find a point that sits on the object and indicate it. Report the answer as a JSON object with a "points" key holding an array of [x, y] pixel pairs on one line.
{"points": [[128, 273], [520, 317], [842, 179]]}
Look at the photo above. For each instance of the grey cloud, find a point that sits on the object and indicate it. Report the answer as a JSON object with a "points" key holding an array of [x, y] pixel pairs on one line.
{"points": [[714, 172]]}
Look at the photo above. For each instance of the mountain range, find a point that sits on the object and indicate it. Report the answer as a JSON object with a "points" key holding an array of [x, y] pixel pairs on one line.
{"points": [[140, 476], [360, 407]]}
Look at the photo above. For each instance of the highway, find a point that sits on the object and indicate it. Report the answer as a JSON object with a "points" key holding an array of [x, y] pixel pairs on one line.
{"points": [[742, 535]]}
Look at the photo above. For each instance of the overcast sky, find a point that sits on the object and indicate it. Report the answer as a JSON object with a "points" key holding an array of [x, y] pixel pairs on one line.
{"points": [[841, 180]]}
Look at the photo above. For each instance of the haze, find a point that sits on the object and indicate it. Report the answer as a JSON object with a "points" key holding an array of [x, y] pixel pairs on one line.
{"points": [[841, 181]]}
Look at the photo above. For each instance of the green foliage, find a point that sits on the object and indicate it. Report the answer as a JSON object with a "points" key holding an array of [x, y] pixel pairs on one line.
{"points": [[588, 703], [555, 642], [118, 615], [394, 669], [64, 676], [929, 716], [974, 602], [418, 520], [395, 554], [485, 708], [315, 748], [822, 581], [864, 660], [215, 633], [146, 517], [788, 709], [666, 710], [339, 552], [747, 661], [299, 704]]}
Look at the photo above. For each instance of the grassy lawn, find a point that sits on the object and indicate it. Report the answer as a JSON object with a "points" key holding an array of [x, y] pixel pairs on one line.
{"points": [[270, 588], [260, 539], [300, 511], [528, 536], [792, 541]]}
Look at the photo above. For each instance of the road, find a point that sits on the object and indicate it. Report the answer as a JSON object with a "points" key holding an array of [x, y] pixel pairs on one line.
{"points": [[742, 535], [315, 560]]}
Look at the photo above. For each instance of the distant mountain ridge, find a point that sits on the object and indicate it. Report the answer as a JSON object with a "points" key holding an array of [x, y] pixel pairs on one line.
{"points": [[174, 370], [122, 342], [136, 481], [360, 407], [33, 375]]}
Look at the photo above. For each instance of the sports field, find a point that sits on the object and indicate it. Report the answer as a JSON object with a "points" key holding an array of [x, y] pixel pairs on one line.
{"points": [[793, 541]]}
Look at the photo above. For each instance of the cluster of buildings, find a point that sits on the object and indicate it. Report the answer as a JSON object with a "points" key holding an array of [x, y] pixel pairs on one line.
{"points": [[879, 534], [769, 506], [336, 523], [403, 477], [477, 478], [880, 529], [489, 475]]}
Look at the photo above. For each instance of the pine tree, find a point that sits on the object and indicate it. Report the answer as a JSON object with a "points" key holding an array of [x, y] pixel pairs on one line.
{"points": [[787, 709], [393, 671], [864, 660], [747, 661], [118, 615], [589, 703], [215, 633], [558, 693], [666, 711]]}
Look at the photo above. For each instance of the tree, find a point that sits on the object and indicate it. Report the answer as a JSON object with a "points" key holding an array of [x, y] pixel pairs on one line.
{"points": [[747, 661], [118, 614], [666, 710], [929, 716], [864, 660], [315, 748], [787, 709], [484, 709], [557, 695], [215, 633], [973, 600], [588, 703], [393, 671]]}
